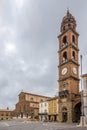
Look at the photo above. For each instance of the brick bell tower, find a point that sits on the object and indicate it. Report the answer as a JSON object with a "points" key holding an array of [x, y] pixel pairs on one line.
{"points": [[68, 67]]}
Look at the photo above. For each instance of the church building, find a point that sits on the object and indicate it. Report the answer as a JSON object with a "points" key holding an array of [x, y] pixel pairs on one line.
{"points": [[69, 95]]}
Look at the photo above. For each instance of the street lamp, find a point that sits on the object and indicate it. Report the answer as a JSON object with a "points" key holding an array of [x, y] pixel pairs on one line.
{"points": [[82, 110]]}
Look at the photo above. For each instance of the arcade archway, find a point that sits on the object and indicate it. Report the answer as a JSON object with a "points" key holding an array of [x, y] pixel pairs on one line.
{"points": [[77, 112]]}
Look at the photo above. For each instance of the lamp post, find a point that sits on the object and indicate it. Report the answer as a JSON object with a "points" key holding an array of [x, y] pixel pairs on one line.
{"points": [[82, 110]]}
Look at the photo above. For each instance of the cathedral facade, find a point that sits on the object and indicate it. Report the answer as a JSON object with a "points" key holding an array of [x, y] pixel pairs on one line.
{"points": [[69, 96], [28, 105]]}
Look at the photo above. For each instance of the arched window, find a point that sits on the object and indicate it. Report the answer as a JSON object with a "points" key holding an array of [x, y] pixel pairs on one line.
{"points": [[31, 98], [6, 114], [73, 55], [64, 109], [73, 38], [69, 25], [2, 114], [64, 56], [65, 85], [64, 28], [65, 39], [41, 100], [73, 26]]}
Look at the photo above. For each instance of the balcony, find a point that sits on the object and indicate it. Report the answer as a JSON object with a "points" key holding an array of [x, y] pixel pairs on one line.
{"points": [[64, 60], [74, 44], [63, 93], [64, 45]]}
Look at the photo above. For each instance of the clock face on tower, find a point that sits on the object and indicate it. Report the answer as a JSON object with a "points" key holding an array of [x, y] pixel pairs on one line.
{"points": [[74, 70], [64, 71]]}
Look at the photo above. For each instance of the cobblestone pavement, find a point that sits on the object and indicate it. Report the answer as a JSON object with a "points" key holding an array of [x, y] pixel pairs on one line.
{"points": [[16, 125]]}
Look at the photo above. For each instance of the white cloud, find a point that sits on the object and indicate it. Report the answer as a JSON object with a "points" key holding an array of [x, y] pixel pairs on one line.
{"points": [[19, 3], [10, 48]]}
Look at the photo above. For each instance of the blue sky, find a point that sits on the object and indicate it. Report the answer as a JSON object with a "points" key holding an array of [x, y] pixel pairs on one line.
{"points": [[29, 45]]}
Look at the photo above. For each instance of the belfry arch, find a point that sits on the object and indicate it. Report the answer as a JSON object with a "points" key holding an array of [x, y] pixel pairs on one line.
{"points": [[65, 39]]}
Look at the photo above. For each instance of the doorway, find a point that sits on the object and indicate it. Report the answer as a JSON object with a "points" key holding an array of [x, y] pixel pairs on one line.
{"points": [[21, 115], [64, 114]]}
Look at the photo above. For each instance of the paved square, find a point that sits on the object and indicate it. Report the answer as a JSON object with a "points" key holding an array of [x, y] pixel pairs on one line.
{"points": [[16, 125]]}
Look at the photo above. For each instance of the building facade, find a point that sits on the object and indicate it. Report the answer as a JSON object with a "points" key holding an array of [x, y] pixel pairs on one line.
{"points": [[84, 77], [69, 96], [53, 109], [43, 111], [48, 110], [28, 105], [6, 114]]}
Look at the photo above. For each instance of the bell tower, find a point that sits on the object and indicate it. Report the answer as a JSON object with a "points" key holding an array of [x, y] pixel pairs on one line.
{"points": [[68, 66]]}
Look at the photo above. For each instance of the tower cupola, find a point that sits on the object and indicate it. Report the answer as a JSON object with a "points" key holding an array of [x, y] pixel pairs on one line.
{"points": [[68, 22]]}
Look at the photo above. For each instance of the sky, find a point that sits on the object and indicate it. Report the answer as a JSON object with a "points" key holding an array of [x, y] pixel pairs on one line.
{"points": [[29, 45]]}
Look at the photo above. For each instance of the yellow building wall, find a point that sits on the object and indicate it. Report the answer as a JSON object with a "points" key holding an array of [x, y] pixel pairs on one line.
{"points": [[53, 108]]}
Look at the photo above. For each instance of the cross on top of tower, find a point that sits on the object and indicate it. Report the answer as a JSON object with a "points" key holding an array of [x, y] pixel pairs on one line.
{"points": [[67, 10]]}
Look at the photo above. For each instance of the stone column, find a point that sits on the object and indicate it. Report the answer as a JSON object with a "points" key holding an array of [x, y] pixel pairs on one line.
{"points": [[84, 77], [83, 118]]}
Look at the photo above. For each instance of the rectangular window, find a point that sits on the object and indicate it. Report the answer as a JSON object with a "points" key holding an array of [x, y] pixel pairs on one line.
{"points": [[45, 104], [41, 105]]}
